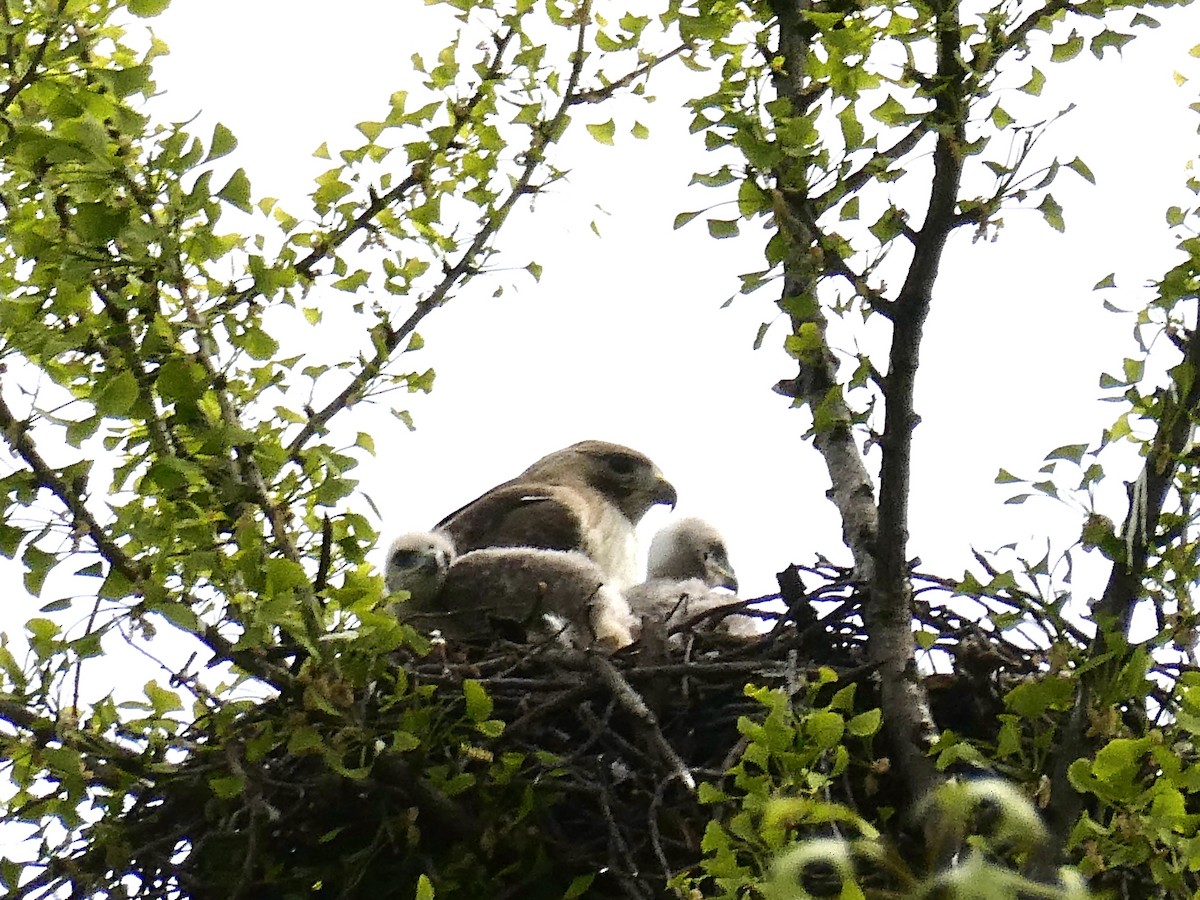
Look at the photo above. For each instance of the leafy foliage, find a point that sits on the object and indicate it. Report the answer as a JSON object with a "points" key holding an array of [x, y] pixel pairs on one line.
{"points": [[174, 454]]}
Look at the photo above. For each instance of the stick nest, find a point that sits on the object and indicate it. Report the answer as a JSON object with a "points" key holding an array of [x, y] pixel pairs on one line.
{"points": [[590, 781]]}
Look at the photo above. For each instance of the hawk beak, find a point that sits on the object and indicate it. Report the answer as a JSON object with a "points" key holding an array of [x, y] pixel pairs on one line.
{"points": [[664, 492]]}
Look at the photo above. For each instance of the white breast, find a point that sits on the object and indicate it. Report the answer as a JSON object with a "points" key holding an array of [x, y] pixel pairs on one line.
{"points": [[612, 544]]}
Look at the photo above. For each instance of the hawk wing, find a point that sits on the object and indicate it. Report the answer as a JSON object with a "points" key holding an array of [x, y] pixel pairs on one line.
{"points": [[520, 514]]}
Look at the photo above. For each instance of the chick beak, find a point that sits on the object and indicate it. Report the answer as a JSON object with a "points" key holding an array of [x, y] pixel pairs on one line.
{"points": [[727, 579]]}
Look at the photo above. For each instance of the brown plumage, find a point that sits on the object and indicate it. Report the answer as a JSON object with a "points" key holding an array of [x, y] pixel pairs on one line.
{"points": [[587, 497]]}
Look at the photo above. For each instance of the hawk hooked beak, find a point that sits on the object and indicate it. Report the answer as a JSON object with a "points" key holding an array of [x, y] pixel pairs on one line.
{"points": [[664, 491]]}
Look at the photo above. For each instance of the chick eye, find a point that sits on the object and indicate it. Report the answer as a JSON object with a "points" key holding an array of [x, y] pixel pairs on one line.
{"points": [[406, 559], [621, 464]]}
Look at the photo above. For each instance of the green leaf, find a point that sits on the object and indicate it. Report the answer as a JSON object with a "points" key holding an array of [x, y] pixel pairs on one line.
{"points": [[226, 786], [1073, 452], [1078, 166], [1108, 282], [603, 132], [99, 222], [118, 395], [891, 112], [259, 344], [865, 724], [826, 728], [424, 888], [723, 228], [1052, 213], [237, 191], [148, 9], [38, 565], [683, 218], [223, 142], [371, 130], [752, 199], [1068, 49], [1108, 38], [1035, 83], [479, 704], [578, 887], [640, 131]]}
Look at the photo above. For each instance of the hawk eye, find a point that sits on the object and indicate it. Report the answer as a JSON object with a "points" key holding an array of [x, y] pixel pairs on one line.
{"points": [[622, 464]]}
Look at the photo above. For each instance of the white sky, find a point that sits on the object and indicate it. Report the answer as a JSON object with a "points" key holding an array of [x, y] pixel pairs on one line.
{"points": [[623, 339]]}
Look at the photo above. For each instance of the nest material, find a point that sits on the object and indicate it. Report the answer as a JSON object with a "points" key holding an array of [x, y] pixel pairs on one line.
{"points": [[602, 755]]}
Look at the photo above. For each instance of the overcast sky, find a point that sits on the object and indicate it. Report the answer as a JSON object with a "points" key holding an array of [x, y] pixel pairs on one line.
{"points": [[624, 338]]}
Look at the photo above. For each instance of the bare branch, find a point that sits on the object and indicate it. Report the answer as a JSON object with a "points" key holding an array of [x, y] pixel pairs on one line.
{"points": [[600, 94]]}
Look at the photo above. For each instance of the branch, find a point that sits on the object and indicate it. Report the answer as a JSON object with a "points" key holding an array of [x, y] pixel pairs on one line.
{"points": [[631, 701], [122, 763], [464, 267], [378, 203], [888, 613], [869, 169], [816, 384], [600, 94], [39, 54], [16, 434], [1114, 611]]}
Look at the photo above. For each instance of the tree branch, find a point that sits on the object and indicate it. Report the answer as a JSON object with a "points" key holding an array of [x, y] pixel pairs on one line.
{"points": [[123, 763], [16, 434], [17, 85], [816, 384], [464, 267], [600, 94], [888, 612], [1114, 611]]}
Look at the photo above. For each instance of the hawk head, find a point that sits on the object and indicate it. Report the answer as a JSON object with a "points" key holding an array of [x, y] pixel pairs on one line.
{"points": [[628, 478], [691, 548], [418, 562]]}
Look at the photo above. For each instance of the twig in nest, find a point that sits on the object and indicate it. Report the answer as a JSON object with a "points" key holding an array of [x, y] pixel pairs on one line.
{"points": [[621, 860], [632, 702]]}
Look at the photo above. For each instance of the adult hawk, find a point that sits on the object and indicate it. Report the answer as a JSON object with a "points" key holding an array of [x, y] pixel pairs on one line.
{"points": [[587, 497]]}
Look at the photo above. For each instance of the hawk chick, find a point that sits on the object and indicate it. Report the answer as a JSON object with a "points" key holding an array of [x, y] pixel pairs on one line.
{"points": [[687, 566], [513, 592]]}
